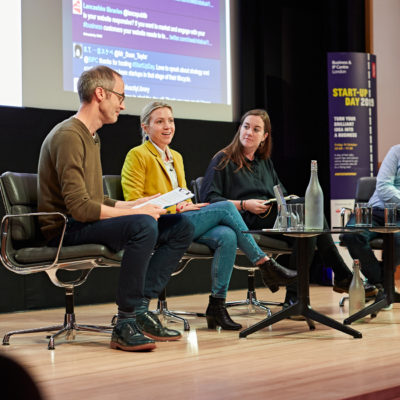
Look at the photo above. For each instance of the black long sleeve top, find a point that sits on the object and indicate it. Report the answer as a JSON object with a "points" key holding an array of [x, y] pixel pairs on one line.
{"points": [[226, 184]]}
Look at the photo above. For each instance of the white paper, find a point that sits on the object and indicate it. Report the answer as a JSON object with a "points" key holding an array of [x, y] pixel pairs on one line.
{"points": [[169, 199]]}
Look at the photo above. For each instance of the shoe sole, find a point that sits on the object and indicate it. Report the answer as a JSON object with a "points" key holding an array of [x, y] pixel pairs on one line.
{"points": [[162, 338], [140, 347]]}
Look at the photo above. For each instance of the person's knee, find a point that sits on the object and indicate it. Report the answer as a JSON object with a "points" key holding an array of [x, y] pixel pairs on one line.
{"points": [[350, 239], [175, 227], [183, 230], [230, 206], [142, 225], [227, 239], [186, 227]]}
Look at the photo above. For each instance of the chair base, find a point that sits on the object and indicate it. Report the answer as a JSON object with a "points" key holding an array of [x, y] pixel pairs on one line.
{"points": [[162, 310], [252, 303], [68, 328]]}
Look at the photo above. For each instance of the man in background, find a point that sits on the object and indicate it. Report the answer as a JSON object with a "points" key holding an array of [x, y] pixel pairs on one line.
{"points": [[387, 191]]}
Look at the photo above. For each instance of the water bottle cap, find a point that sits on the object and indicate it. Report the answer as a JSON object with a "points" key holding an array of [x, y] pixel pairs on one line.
{"points": [[314, 165]]}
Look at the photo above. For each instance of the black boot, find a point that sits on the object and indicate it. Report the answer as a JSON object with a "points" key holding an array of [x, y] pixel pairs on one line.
{"points": [[274, 275], [217, 314]]}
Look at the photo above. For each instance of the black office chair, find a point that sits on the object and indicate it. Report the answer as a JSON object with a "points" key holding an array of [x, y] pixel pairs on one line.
{"points": [[196, 251], [24, 251], [365, 189], [270, 245]]}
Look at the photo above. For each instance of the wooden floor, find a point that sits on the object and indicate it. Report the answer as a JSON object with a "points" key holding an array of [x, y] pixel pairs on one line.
{"points": [[286, 361]]}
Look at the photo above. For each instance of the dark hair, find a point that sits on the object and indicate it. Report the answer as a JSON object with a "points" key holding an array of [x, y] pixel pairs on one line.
{"points": [[234, 150], [100, 76]]}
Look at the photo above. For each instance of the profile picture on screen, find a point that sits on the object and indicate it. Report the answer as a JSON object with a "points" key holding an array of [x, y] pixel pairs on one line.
{"points": [[78, 53], [77, 7]]}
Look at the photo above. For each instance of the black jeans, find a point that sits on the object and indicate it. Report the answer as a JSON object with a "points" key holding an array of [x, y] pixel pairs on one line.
{"points": [[359, 247], [143, 274]]}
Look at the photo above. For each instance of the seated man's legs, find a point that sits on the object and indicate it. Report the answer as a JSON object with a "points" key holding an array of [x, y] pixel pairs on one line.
{"points": [[359, 248], [175, 233], [137, 235]]}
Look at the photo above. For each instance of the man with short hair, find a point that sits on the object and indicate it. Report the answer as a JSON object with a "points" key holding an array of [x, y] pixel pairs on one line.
{"points": [[70, 181]]}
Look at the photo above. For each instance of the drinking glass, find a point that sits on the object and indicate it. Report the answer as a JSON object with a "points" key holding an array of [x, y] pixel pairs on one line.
{"points": [[284, 220], [363, 214], [390, 214], [296, 211]]}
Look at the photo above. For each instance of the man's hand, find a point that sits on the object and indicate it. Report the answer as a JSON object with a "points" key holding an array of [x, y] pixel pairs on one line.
{"points": [[130, 204], [150, 209]]}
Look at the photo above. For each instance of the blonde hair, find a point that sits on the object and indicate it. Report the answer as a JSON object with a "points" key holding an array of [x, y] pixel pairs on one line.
{"points": [[146, 113]]}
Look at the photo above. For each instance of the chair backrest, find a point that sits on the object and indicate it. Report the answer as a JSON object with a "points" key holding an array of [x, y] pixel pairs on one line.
{"points": [[365, 189], [19, 196], [196, 187], [112, 187]]}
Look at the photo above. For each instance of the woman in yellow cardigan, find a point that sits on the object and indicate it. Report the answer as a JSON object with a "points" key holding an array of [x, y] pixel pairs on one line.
{"points": [[155, 168]]}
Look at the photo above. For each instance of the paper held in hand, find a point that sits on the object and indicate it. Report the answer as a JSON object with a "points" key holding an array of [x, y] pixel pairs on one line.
{"points": [[169, 199]]}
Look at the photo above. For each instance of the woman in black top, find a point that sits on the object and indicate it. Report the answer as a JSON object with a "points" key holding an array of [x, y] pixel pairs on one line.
{"points": [[243, 173]]}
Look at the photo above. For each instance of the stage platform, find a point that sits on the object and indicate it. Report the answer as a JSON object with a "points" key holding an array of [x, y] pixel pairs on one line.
{"points": [[285, 361]]}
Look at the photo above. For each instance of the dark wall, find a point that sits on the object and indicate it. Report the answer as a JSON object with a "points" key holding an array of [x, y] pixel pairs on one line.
{"points": [[282, 47]]}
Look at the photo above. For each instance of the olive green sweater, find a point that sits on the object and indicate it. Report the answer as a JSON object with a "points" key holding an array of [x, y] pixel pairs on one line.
{"points": [[70, 176]]}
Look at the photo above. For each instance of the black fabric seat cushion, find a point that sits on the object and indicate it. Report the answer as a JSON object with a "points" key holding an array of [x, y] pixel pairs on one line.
{"points": [[45, 254], [273, 244]]}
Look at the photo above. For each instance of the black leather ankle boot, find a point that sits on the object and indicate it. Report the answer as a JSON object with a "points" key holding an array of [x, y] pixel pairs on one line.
{"points": [[217, 314], [274, 275]]}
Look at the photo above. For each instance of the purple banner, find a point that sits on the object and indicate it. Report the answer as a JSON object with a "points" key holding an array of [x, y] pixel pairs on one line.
{"points": [[352, 120]]}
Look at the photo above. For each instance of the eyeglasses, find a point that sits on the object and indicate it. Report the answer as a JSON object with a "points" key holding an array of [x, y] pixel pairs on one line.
{"points": [[120, 95]]}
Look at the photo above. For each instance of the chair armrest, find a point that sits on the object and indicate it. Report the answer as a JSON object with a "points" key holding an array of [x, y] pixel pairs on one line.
{"points": [[4, 231]]}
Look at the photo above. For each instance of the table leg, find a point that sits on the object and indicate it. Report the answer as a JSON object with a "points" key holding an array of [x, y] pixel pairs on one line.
{"points": [[302, 306]]}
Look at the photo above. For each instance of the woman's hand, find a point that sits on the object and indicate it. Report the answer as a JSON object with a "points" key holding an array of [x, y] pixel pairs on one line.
{"points": [[189, 206], [255, 206]]}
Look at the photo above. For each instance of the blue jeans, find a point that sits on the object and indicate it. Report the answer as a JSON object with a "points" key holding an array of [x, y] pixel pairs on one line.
{"points": [[142, 274], [359, 247], [219, 226]]}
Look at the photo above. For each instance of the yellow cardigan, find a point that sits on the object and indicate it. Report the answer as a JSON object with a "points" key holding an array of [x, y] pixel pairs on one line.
{"points": [[144, 173]]}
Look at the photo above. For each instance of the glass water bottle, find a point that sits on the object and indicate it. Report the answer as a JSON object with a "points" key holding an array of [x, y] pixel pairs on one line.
{"points": [[356, 290], [314, 201]]}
